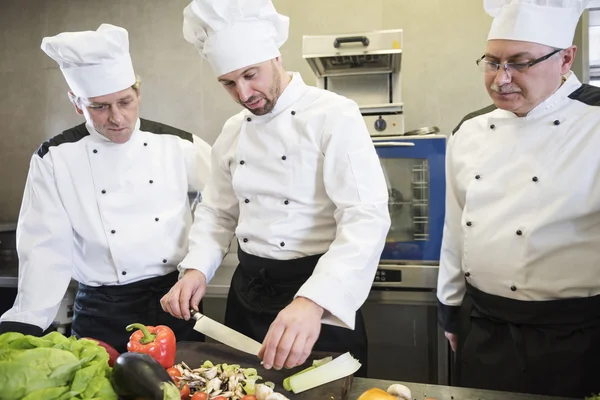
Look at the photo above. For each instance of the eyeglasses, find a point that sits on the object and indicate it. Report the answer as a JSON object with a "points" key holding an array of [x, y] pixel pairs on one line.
{"points": [[491, 68]]}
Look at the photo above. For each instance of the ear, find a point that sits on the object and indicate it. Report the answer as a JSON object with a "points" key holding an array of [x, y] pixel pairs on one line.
{"points": [[567, 59], [72, 97]]}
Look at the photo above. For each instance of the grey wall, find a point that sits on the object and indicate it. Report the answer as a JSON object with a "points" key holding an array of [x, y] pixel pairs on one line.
{"points": [[442, 39]]}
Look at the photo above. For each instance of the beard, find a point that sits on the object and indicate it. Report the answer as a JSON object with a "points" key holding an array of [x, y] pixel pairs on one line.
{"points": [[270, 98]]}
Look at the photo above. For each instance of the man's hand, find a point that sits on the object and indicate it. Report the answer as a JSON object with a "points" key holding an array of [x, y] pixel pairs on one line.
{"points": [[185, 294], [292, 335], [453, 339]]}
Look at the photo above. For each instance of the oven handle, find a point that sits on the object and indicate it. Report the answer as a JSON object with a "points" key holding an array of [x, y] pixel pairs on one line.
{"points": [[352, 39], [394, 144]]}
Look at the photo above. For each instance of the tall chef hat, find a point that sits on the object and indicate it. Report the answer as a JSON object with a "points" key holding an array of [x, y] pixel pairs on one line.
{"points": [[548, 22], [94, 63], [232, 34]]}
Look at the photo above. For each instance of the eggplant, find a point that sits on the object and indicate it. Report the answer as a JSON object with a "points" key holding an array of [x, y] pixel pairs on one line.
{"points": [[137, 375]]}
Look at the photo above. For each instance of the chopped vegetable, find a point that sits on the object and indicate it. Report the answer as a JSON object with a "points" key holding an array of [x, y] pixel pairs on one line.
{"points": [[276, 396], [53, 367], [330, 371], [315, 364], [230, 381], [159, 342]]}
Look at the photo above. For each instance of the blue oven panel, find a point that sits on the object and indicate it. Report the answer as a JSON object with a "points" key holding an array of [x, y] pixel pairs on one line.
{"points": [[414, 167]]}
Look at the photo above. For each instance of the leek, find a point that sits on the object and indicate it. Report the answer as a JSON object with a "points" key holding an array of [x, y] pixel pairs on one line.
{"points": [[330, 371], [315, 364]]}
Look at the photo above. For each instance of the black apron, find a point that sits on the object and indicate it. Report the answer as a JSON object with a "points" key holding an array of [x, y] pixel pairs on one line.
{"points": [[261, 288], [103, 312], [538, 347]]}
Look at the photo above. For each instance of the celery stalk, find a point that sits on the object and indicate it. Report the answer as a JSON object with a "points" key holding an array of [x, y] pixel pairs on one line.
{"points": [[312, 377]]}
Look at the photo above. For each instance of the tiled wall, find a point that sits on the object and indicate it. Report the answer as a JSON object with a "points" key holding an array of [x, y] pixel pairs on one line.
{"points": [[442, 39]]}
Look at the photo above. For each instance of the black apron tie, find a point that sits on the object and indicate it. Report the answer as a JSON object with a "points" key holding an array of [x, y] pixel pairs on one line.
{"points": [[519, 345], [262, 287]]}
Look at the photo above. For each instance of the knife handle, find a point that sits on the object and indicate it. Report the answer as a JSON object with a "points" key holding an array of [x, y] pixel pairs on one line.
{"points": [[195, 314]]}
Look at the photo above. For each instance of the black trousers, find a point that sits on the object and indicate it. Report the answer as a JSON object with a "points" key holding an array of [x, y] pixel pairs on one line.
{"points": [[103, 312], [261, 288], [539, 347]]}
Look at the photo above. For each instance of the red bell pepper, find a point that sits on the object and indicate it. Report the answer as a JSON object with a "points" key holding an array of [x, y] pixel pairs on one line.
{"points": [[158, 342], [112, 353]]}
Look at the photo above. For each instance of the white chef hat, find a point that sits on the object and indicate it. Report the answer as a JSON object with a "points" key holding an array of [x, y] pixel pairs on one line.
{"points": [[232, 34], [548, 22], [94, 63]]}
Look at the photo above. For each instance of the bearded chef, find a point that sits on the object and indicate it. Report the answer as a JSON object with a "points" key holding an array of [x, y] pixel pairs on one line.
{"points": [[519, 281], [296, 178], [106, 202]]}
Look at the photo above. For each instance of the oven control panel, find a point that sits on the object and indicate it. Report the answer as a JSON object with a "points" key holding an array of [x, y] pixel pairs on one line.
{"points": [[389, 276], [385, 124], [405, 276]]}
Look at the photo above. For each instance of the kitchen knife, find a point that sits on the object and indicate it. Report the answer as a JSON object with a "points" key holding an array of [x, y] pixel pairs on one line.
{"points": [[224, 334]]}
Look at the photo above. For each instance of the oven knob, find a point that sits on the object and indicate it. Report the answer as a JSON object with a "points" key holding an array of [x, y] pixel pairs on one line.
{"points": [[380, 124]]}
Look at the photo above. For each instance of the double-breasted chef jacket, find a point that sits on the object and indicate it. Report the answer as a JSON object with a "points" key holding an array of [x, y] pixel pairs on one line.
{"points": [[104, 214]]}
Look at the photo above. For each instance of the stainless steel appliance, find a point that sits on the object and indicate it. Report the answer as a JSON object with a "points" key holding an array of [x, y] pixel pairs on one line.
{"points": [[405, 342], [365, 67]]}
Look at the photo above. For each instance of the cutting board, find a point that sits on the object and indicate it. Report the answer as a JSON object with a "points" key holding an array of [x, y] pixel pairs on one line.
{"points": [[195, 353]]}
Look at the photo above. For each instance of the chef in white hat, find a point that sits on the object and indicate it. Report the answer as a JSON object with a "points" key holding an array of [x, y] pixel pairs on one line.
{"points": [[106, 202], [519, 279], [296, 178]]}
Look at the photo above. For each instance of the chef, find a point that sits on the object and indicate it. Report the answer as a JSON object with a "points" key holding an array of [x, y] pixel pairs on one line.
{"points": [[106, 202], [296, 178], [519, 280]]}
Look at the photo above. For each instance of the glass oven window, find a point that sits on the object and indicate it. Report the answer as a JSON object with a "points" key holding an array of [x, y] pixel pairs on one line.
{"points": [[408, 188]]}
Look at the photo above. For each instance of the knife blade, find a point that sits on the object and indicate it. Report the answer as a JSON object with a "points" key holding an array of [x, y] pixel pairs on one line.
{"points": [[224, 334]]}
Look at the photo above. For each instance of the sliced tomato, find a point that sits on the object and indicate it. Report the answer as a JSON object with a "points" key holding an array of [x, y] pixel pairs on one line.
{"points": [[174, 374], [249, 397], [200, 396], [185, 392], [220, 398]]}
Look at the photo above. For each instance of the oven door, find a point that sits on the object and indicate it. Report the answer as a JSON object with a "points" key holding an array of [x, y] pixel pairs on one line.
{"points": [[414, 168], [405, 342]]}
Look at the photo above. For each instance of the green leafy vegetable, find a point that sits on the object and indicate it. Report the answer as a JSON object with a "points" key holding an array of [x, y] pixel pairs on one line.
{"points": [[53, 367]]}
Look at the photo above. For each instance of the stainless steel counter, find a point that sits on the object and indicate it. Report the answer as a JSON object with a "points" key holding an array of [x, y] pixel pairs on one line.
{"points": [[420, 391]]}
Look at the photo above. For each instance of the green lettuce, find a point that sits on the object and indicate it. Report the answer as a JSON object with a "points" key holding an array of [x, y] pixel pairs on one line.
{"points": [[53, 367]]}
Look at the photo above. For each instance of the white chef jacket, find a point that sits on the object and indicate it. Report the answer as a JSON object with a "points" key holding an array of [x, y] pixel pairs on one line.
{"points": [[523, 201], [301, 180], [104, 213]]}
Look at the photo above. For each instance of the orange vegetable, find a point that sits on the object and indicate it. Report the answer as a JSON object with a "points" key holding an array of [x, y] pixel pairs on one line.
{"points": [[376, 394], [249, 397], [200, 396]]}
